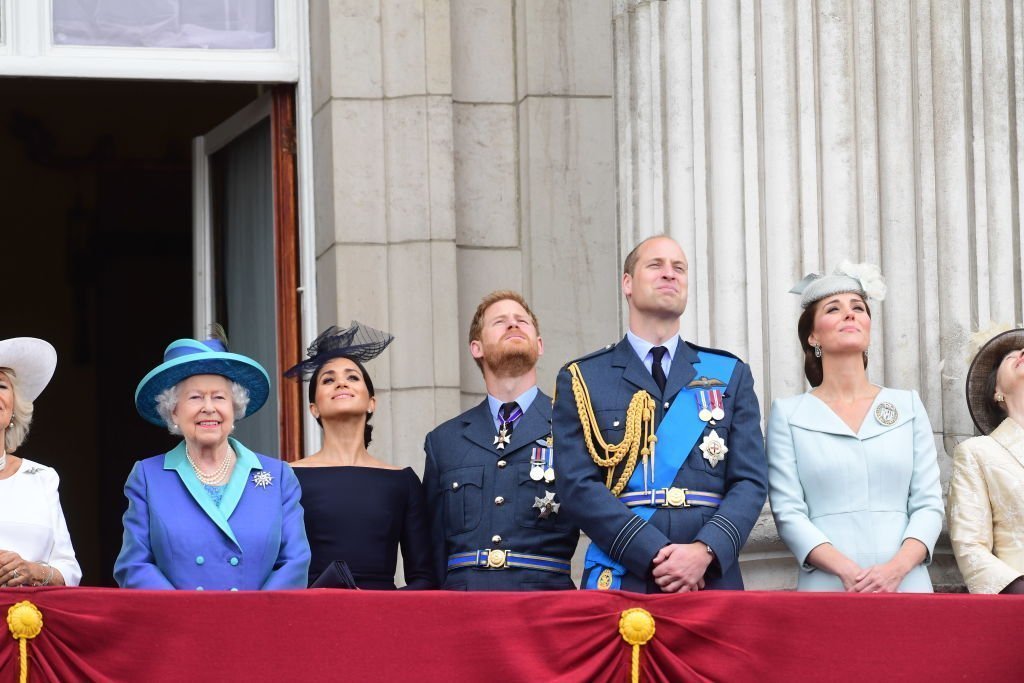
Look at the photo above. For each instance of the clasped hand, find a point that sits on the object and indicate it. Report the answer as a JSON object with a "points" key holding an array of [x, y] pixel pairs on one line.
{"points": [[14, 569], [680, 567]]}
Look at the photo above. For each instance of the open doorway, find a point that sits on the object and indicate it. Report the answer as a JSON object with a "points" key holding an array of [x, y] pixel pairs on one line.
{"points": [[97, 256]]}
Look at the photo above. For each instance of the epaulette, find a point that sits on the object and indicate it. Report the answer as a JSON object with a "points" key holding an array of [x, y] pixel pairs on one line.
{"points": [[708, 349], [592, 354]]}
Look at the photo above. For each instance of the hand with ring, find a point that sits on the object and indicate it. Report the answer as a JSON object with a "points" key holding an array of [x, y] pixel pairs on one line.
{"points": [[14, 570]]}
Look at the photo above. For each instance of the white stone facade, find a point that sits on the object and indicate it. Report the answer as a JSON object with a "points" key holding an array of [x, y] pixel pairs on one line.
{"points": [[469, 145]]}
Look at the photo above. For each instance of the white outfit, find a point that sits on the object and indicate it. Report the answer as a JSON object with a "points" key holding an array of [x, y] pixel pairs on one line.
{"points": [[32, 521]]}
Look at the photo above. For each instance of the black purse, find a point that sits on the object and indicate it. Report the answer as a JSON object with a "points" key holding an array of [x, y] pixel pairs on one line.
{"points": [[336, 575]]}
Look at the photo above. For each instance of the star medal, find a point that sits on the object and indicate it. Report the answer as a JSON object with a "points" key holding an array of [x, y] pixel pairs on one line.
{"points": [[717, 405], [262, 479], [703, 405], [537, 464], [886, 414], [546, 505], [502, 438], [714, 448]]}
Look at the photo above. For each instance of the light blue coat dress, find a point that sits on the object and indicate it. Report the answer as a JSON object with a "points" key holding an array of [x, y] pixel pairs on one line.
{"points": [[864, 493], [175, 536]]}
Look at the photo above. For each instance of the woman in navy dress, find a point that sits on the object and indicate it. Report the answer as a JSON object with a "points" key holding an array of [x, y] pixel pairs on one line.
{"points": [[359, 509]]}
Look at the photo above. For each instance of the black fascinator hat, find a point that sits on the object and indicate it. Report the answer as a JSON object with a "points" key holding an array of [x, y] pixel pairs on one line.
{"points": [[358, 341]]}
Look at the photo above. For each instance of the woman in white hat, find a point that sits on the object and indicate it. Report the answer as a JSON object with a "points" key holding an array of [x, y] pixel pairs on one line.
{"points": [[35, 547], [210, 514], [852, 474], [986, 489]]}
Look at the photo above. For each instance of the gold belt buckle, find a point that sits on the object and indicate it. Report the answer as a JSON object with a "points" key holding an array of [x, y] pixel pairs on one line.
{"points": [[497, 559], [676, 497]]}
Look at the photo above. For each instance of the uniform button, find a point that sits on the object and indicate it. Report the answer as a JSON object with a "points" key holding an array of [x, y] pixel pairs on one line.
{"points": [[200, 559], [455, 485], [502, 463], [666, 405], [615, 424], [233, 561], [199, 588], [495, 539], [499, 500]]}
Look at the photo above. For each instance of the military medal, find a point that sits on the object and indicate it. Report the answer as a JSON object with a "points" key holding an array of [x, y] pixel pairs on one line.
{"points": [[546, 505], [549, 474], [263, 479], [714, 448], [703, 405], [502, 438], [717, 405], [604, 580], [537, 464], [886, 414]]}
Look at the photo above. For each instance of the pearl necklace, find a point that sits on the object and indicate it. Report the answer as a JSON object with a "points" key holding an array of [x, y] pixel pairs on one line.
{"points": [[3, 461], [218, 477]]}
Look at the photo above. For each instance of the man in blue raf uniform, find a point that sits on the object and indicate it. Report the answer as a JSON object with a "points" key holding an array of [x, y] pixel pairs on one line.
{"points": [[660, 454], [497, 521]]}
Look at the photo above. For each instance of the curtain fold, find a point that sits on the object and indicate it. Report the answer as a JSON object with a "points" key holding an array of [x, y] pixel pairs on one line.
{"points": [[106, 634]]}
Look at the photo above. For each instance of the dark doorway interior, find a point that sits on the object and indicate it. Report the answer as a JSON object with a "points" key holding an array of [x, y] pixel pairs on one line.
{"points": [[97, 259]]}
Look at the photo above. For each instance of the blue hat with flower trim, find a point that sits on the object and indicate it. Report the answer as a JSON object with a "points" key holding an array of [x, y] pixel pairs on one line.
{"points": [[185, 358], [863, 278]]}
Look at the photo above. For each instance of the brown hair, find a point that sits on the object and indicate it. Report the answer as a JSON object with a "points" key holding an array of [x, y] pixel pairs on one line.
{"points": [[476, 327], [629, 265], [367, 427], [812, 364], [995, 409]]}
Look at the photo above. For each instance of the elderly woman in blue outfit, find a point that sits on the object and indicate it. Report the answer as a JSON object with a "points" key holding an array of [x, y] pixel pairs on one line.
{"points": [[852, 473], [209, 514]]}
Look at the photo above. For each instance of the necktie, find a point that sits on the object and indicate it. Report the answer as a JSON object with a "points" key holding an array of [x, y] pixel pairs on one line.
{"points": [[657, 371], [508, 413]]}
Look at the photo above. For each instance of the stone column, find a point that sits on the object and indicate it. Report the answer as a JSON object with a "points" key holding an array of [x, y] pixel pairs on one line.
{"points": [[385, 227], [534, 179], [776, 138]]}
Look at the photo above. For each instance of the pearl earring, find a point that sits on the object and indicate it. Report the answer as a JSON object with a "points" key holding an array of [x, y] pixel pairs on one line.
{"points": [[999, 397], [817, 350]]}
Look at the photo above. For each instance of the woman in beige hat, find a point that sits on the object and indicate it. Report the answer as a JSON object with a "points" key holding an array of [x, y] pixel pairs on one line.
{"points": [[35, 547], [986, 490]]}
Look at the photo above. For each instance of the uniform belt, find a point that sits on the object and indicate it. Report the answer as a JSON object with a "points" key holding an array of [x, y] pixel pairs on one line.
{"points": [[494, 558], [672, 498]]}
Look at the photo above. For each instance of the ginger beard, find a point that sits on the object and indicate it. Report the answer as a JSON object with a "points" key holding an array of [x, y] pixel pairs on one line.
{"points": [[511, 357]]}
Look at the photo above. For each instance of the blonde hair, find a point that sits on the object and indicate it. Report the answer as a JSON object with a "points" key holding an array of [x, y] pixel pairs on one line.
{"points": [[21, 419]]}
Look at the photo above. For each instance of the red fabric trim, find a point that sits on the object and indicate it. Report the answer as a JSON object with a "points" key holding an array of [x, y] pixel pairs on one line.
{"points": [[105, 634]]}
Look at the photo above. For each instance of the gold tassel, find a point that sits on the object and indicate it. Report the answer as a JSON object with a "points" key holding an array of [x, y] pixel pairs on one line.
{"points": [[25, 622], [636, 626]]}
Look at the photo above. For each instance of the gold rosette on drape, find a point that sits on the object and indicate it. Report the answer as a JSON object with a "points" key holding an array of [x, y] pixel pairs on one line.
{"points": [[25, 622], [636, 626]]}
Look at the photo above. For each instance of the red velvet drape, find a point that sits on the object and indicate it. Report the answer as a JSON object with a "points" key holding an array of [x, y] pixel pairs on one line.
{"points": [[104, 634]]}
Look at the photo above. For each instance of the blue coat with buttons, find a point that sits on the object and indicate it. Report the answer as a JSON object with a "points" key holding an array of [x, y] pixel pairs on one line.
{"points": [[176, 537], [613, 375], [482, 498]]}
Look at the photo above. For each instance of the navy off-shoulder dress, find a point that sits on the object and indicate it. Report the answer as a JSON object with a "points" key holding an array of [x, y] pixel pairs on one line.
{"points": [[361, 515]]}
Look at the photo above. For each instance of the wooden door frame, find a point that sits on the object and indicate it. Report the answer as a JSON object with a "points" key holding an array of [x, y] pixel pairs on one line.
{"points": [[279, 105], [286, 270]]}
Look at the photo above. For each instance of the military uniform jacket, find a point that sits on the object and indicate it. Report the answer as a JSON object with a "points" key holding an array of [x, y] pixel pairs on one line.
{"points": [[481, 498], [613, 376]]}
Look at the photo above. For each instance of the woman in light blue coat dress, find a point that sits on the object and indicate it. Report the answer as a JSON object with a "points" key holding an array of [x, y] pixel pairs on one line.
{"points": [[852, 472]]}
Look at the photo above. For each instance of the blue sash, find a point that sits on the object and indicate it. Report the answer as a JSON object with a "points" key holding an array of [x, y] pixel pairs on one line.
{"points": [[678, 432]]}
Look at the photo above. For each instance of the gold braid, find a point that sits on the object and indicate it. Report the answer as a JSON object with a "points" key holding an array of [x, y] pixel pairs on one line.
{"points": [[638, 440]]}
